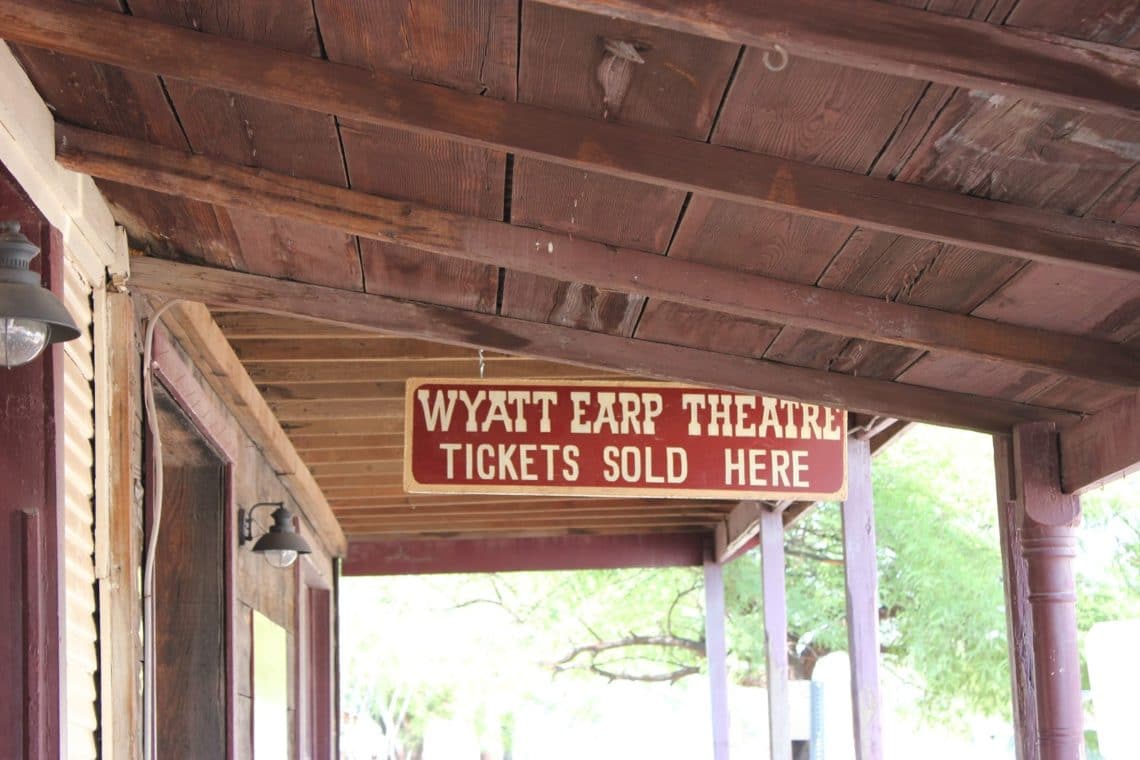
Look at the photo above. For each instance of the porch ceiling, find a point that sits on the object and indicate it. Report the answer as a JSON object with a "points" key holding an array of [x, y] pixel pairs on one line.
{"points": [[921, 250]]}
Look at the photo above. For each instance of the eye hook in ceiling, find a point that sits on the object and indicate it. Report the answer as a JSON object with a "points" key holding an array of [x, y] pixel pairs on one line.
{"points": [[781, 62]]}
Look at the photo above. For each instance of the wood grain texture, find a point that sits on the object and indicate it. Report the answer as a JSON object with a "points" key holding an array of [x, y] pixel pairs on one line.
{"points": [[1018, 614], [470, 46], [1103, 447], [574, 140], [626, 270], [254, 132], [367, 311], [910, 42], [675, 88]]}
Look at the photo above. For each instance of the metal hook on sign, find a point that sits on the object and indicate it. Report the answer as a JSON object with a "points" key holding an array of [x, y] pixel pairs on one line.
{"points": [[482, 365], [783, 58]]}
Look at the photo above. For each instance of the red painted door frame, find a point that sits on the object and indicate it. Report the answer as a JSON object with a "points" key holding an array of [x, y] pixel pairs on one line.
{"points": [[315, 675], [31, 399]]}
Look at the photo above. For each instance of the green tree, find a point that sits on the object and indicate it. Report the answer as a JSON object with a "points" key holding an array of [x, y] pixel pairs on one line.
{"points": [[941, 615]]}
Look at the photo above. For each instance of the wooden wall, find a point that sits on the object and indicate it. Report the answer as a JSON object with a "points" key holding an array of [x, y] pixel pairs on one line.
{"points": [[254, 585]]}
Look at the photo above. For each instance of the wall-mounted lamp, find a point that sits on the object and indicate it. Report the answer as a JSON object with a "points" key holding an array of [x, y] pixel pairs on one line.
{"points": [[280, 544], [31, 317]]}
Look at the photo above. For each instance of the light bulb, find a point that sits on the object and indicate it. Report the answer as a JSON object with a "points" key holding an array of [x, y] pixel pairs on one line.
{"points": [[21, 340], [280, 558]]}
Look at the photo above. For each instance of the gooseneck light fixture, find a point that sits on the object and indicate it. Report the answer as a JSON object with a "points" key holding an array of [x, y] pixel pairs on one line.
{"points": [[280, 545], [31, 317]]}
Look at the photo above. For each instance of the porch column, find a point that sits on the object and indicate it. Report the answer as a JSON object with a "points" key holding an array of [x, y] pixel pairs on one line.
{"points": [[775, 632], [1018, 613], [1047, 526], [862, 580], [716, 653]]}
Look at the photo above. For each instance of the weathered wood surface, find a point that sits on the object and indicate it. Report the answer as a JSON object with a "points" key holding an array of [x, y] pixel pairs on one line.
{"points": [[884, 37], [861, 577], [1047, 527], [637, 154], [1102, 447], [775, 600], [369, 312], [190, 610], [672, 279], [1018, 613], [120, 617], [191, 324]]}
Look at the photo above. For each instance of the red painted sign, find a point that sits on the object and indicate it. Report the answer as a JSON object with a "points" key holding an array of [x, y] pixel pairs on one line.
{"points": [[619, 439]]}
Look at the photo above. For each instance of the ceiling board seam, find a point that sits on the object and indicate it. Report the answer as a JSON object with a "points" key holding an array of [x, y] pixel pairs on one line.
{"points": [[724, 95]]}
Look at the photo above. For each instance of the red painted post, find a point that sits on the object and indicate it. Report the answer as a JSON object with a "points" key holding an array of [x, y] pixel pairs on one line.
{"points": [[776, 633], [716, 652], [1018, 613], [1048, 520], [31, 598], [862, 579]]}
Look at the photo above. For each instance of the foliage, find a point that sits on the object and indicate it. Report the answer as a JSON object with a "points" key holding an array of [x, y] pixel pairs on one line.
{"points": [[941, 605]]}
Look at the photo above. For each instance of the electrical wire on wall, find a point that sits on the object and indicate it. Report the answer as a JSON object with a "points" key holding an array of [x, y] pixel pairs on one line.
{"points": [[150, 724]]}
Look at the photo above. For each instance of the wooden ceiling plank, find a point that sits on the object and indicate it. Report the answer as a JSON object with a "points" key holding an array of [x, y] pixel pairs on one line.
{"points": [[580, 141], [307, 443], [295, 411], [192, 325], [374, 454], [452, 326], [910, 42], [682, 281]]}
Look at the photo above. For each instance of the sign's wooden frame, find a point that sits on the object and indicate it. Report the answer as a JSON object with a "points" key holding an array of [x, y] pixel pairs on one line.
{"points": [[411, 485]]}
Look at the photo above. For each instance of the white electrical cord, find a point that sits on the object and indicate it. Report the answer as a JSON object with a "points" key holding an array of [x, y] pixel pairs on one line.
{"points": [[150, 724]]}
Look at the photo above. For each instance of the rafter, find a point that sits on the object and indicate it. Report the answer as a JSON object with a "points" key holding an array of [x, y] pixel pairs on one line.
{"points": [[1102, 447], [908, 42], [562, 257], [650, 156], [367, 311]]}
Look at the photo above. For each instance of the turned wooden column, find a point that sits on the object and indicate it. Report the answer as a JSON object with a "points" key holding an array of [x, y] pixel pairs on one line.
{"points": [[1047, 522]]}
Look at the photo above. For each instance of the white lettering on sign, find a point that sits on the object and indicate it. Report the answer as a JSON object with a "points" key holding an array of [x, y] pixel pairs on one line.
{"points": [[619, 438]]}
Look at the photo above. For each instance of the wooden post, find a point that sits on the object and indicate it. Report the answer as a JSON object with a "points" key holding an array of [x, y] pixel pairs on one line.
{"points": [[776, 633], [861, 574], [717, 654], [1047, 528], [1018, 614]]}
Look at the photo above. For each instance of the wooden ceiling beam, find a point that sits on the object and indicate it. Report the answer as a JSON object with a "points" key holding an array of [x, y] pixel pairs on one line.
{"points": [[387, 100], [1102, 448], [495, 555], [638, 357], [908, 42], [563, 257]]}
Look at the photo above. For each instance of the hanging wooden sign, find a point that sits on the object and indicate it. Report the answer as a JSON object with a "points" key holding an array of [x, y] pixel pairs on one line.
{"points": [[619, 439]]}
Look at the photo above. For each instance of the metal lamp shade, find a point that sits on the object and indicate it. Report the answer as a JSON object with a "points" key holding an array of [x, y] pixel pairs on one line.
{"points": [[281, 545], [24, 304], [20, 300]]}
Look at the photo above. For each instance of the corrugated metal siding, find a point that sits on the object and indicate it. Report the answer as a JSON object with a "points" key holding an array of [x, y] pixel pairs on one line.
{"points": [[78, 519]]}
